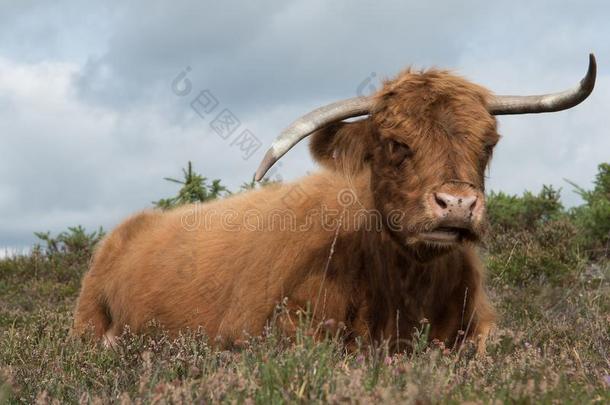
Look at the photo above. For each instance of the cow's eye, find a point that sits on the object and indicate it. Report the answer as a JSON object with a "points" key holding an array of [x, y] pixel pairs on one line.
{"points": [[398, 152]]}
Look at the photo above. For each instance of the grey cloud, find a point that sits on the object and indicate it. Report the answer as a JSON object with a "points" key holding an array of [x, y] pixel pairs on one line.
{"points": [[259, 56], [34, 31], [256, 56]]}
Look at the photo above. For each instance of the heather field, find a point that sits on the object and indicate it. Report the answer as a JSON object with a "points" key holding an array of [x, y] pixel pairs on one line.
{"points": [[548, 277]]}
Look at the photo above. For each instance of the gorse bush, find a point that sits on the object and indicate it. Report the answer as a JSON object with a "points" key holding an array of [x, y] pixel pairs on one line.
{"points": [[593, 217], [533, 237], [195, 188], [55, 264], [74, 241], [65, 254], [510, 212], [253, 184]]}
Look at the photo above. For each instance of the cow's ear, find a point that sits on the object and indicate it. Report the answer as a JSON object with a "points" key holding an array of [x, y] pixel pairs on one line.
{"points": [[343, 146]]}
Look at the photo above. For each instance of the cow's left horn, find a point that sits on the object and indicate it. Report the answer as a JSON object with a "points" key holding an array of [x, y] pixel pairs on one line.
{"points": [[309, 123], [501, 105]]}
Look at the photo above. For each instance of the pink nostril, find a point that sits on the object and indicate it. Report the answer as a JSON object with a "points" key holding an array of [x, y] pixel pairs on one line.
{"points": [[450, 205], [439, 201], [473, 204]]}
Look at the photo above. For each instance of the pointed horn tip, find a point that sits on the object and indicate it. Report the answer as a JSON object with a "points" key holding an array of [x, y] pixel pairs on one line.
{"points": [[587, 83], [268, 161], [589, 79], [507, 105]]}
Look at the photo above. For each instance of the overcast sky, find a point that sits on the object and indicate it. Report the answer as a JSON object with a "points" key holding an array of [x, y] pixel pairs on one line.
{"points": [[90, 122]]}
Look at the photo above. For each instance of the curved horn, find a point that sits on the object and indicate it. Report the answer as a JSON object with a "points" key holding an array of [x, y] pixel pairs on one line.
{"points": [[500, 105], [307, 124]]}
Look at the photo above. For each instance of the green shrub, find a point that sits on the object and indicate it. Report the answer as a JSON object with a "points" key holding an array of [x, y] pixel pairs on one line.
{"points": [[75, 244], [533, 238], [593, 217], [195, 188], [507, 211], [73, 241], [63, 257], [50, 275], [253, 184]]}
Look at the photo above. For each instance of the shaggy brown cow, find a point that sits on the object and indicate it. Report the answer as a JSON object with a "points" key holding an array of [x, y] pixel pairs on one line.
{"points": [[382, 237]]}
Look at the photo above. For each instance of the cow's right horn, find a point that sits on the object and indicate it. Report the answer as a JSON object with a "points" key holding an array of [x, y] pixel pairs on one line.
{"points": [[308, 124]]}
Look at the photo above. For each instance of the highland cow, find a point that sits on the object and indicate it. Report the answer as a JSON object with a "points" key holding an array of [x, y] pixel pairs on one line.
{"points": [[383, 236]]}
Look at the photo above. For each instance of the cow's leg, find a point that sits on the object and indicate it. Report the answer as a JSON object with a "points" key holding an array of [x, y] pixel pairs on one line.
{"points": [[91, 311], [481, 338]]}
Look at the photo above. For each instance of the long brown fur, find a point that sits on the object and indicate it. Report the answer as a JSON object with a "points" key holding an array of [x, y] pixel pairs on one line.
{"points": [[308, 241]]}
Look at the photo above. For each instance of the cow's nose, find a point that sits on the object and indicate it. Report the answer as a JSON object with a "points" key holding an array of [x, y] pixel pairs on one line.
{"points": [[459, 207]]}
